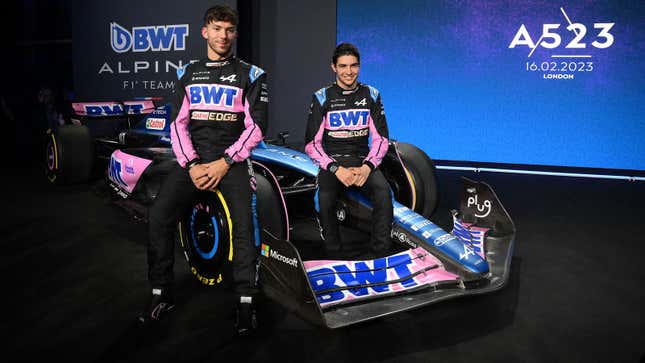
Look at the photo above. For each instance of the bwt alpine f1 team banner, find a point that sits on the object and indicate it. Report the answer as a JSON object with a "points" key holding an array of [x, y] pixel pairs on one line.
{"points": [[521, 82], [125, 49]]}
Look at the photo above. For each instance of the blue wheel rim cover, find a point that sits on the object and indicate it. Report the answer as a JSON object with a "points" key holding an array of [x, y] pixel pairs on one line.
{"points": [[205, 255]]}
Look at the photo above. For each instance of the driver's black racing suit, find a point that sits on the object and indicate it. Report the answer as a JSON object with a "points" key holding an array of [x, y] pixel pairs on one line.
{"points": [[348, 128], [220, 108]]}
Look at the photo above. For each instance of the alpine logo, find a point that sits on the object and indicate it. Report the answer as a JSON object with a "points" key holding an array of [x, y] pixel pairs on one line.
{"points": [[230, 78], [467, 252], [362, 102]]}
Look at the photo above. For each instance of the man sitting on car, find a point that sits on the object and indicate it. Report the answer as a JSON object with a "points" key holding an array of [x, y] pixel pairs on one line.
{"points": [[347, 138]]}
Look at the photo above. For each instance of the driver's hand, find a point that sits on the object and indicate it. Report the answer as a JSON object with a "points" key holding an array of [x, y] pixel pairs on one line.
{"points": [[216, 171], [345, 175], [362, 173], [199, 176]]}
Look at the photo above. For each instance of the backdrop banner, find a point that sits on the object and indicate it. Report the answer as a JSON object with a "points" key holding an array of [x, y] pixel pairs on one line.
{"points": [[517, 82], [126, 49]]}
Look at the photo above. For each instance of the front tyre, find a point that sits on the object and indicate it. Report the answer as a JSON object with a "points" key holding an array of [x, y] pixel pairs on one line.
{"points": [[205, 235], [205, 228], [422, 177]]}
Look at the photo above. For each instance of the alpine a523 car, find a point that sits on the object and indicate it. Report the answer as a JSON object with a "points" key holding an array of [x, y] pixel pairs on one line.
{"points": [[128, 144]]}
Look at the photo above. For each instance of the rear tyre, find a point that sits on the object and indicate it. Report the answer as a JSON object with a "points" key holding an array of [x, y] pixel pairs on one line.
{"points": [[69, 154]]}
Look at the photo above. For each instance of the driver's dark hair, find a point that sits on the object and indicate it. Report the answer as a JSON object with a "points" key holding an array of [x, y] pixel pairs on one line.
{"points": [[221, 13], [345, 49]]}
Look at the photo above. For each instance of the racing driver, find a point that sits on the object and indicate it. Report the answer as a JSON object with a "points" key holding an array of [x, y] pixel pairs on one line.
{"points": [[347, 138], [219, 116]]}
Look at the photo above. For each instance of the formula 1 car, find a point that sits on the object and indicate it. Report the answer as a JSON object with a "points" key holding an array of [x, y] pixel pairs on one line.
{"points": [[128, 144]]}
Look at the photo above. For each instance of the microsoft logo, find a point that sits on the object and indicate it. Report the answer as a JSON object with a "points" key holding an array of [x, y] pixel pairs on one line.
{"points": [[265, 250]]}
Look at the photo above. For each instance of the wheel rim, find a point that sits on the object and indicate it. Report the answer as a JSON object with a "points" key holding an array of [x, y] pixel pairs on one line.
{"points": [[51, 154], [205, 232]]}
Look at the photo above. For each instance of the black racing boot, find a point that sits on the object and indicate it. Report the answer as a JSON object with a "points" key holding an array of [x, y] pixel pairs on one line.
{"points": [[245, 316], [159, 304]]}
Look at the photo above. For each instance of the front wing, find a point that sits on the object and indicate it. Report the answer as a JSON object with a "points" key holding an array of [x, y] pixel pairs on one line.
{"points": [[340, 293]]}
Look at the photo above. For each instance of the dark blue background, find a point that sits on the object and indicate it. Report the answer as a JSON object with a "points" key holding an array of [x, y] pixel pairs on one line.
{"points": [[451, 85]]}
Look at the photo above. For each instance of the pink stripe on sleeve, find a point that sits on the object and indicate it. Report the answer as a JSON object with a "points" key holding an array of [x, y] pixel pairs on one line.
{"points": [[182, 145], [248, 140], [378, 147], [315, 149]]}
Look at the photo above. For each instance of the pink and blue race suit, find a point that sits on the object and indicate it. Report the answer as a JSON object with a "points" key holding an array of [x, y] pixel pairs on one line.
{"points": [[219, 110], [348, 128]]}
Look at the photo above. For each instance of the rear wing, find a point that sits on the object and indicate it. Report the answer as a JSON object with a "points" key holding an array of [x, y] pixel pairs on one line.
{"points": [[115, 108], [107, 120]]}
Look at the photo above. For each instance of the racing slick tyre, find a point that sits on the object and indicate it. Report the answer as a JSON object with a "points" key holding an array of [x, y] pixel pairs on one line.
{"points": [[205, 234], [205, 231], [69, 154], [423, 177]]}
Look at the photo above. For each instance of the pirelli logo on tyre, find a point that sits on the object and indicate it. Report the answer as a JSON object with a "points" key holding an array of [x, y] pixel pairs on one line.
{"points": [[213, 116]]}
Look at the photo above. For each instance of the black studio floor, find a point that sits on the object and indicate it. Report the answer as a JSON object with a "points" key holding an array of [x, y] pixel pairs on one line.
{"points": [[74, 276]]}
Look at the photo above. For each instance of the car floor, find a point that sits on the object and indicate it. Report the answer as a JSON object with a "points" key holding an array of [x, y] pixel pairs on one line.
{"points": [[74, 270]]}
